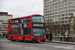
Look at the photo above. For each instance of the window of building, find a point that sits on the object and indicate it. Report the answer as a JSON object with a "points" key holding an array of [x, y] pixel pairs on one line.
{"points": [[1, 20], [62, 18], [65, 21], [0, 27], [67, 0], [66, 14], [63, 14], [66, 18], [72, 10], [66, 4], [59, 15], [72, 6], [59, 21], [67, 11], [62, 21], [46, 0]]}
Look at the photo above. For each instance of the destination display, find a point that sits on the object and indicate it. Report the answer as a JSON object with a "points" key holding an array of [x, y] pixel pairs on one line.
{"points": [[37, 25]]}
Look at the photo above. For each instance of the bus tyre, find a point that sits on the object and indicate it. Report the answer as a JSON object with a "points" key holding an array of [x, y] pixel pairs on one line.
{"points": [[24, 40], [37, 41], [44, 41], [11, 39]]}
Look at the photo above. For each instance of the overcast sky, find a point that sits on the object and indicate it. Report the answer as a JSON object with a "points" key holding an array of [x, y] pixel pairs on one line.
{"points": [[22, 7]]}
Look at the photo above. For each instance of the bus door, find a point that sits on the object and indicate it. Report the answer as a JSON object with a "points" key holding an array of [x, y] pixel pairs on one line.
{"points": [[22, 27], [27, 32], [21, 31]]}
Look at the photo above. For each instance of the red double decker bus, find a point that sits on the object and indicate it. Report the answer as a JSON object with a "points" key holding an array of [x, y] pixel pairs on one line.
{"points": [[27, 28]]}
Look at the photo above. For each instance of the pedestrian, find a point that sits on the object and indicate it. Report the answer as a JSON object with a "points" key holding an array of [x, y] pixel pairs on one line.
{"points": [[66, 36], [50, 36], [0, 35], [3, 35], [6, 35], [47, 36], [60, 36]]}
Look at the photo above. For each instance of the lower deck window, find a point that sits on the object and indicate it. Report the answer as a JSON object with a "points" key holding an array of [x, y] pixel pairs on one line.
{"points": [[15, 31], [27, 31]]}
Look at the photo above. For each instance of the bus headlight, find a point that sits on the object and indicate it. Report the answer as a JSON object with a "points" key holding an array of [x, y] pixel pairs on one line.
{"points": [[32, 37]]}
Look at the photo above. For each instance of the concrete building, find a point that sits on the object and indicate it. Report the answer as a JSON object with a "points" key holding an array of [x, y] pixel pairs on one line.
{"points": [[57, 15], [4, 16]]}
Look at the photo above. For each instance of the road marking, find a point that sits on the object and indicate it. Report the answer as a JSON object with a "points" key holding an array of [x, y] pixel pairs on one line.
{"points": [[4, 40], [44, 45], [34, 48], [2, 43], [31, 48], [65, 47], [12, 45]]}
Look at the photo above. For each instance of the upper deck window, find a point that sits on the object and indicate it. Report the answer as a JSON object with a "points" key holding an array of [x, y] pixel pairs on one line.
{"points": [[21, 20], [37, 18], [25, 20], [16, 21], [11, 21], [28, 19]]}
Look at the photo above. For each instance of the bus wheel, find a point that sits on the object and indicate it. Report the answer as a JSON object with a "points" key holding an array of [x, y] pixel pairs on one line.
{"points": [[11, 38], [24, 39], [44, 40], [37, 41]]}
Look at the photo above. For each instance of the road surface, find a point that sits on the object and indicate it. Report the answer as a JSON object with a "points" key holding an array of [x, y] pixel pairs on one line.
{"points": [[18, 45]]}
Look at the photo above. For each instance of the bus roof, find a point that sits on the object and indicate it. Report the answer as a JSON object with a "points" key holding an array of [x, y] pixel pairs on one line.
{"points": [[24, 16]]}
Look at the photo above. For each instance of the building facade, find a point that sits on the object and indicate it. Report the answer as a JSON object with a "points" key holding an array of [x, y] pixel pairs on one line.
{"points": [[57, 15], [4, 16]]}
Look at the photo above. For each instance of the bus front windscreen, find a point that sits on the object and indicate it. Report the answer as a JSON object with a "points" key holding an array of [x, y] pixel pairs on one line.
{"points": [[38, 18], [38, 32]]}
